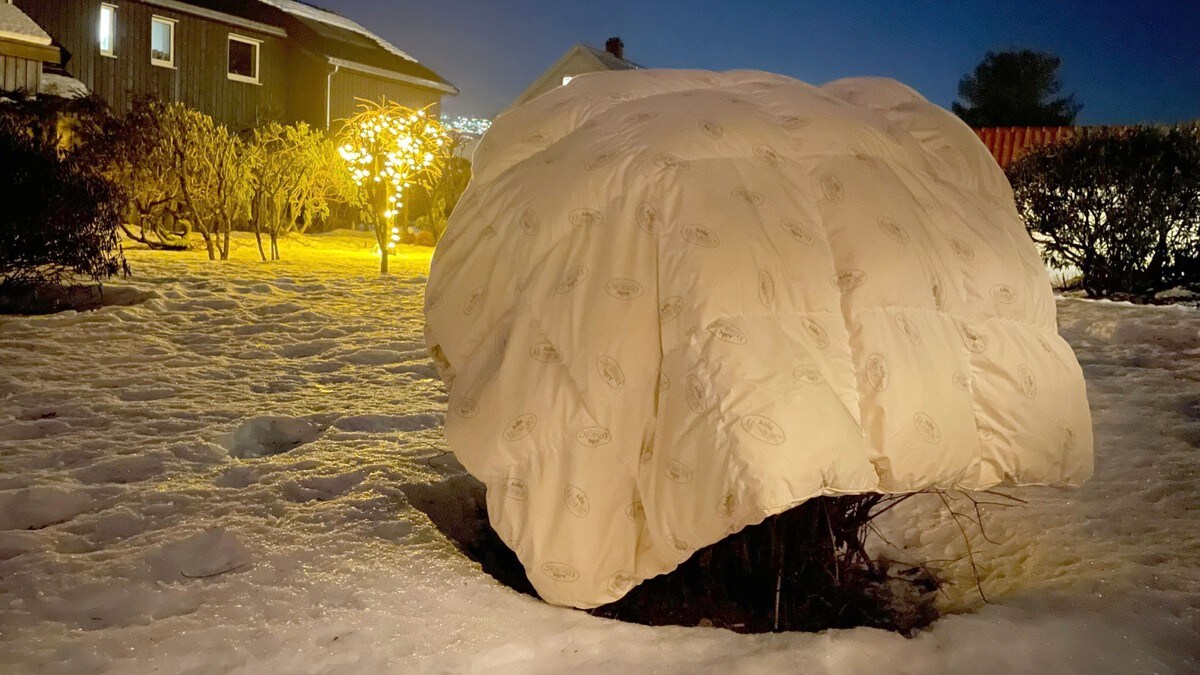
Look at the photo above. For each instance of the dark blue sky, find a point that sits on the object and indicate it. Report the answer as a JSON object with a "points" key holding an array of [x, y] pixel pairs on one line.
{"points": [[1126, 62]]}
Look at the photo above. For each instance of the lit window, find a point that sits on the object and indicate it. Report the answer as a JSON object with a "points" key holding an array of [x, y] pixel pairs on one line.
{"points": [[243, 59], [108, 28], [162, 42], [567, 78]]}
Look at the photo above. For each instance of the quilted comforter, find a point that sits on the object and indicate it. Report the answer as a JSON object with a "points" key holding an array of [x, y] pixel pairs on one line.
{"points": [[673, 303]]}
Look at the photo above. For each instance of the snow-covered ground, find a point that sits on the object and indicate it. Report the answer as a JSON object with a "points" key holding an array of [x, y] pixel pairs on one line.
{"points": [[244, 472]]}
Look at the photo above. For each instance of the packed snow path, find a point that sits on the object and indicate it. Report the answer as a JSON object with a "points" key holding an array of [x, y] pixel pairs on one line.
{"points": [[245, 473]]}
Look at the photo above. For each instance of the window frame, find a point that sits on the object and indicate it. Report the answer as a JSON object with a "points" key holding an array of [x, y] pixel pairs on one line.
{"points": [[111, 52], [237, 77], [162, 63]]}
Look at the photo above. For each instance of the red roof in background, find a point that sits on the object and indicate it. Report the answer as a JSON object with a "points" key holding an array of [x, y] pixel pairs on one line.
{"points": [[1008, 144]]}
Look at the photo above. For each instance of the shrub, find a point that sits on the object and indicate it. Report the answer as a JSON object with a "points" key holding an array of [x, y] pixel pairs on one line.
{"points": [[1121, 207], [58, 216], [424, 238], [296, 173]]}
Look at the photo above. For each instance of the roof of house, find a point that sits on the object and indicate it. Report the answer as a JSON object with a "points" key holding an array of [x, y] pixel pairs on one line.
{"points": [[331, 35], [608, 60], [1009, 144], [16, 26]]}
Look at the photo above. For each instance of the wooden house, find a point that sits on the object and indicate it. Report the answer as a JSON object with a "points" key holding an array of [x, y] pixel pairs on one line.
{"points": [[25, 49], [579, 59], [241, 61]]}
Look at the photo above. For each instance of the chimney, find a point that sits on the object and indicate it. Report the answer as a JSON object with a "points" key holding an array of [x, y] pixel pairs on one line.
{"points": [[615, 47]]}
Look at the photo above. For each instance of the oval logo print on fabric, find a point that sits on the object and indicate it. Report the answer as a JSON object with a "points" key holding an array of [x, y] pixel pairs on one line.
{"points": [[1004, 294], [727, 506], [576, 501], [572, 279], [473, 301], [585, 217], [621, 582], [794, 121], [808, 374], [832, 188], [876, 371], [938, 290], [514, 488], [647, 217], [927, 427], [1028, 381], [635, 512], [764, 429], [748, 196], [679, 472], [700, 236], [600, 160], [696, 399], [560, 571], [669, 308], [610, 371], [961, 249], [669, 161], [624, 289], [593, 437], [767, 154], [546, 353], [907, 327], [891, 229], [796, 230], [647, 452], [539, 139], [848, 280], [766, 289], [973, 339], [520, 427], [529, 222], [466, 408], [727, 332], [984, 429], [816, 333], [711, 128]]}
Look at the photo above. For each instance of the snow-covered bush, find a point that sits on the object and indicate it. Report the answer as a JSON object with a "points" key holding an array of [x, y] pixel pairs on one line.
{"points": [[1122, 207], [58, 217], [295, 174]]}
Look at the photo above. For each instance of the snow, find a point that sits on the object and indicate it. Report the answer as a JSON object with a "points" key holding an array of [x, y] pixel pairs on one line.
{"points": [[65, 86], [16, 25], [306, 11], [246, 473]]}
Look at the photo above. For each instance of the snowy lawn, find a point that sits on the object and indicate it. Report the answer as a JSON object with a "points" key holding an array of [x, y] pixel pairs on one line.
{"points": [[246, 473]]}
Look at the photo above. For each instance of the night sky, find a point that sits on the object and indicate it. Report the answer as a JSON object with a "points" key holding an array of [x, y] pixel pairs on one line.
{"points": [[1127, 62]]}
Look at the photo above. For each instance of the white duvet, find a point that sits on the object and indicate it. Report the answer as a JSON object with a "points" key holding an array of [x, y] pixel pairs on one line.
{"points": [[673, 303]]}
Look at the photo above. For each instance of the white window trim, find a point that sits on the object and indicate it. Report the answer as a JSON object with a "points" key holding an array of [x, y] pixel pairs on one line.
{"points": [[234, 37], [170, 22], [112, 31]]}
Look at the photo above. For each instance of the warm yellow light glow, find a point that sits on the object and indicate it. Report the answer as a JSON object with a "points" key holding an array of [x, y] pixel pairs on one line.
{"points": [[389, 149]]}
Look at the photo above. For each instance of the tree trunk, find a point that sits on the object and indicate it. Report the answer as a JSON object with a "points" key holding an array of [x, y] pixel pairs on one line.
{"points": [[274, 245], [225, 249], [208, 243], [383, 259], [258, 239]]}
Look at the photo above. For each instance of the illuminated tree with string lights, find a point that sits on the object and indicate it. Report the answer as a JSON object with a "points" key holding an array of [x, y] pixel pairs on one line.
{"points": [[390, 150]]}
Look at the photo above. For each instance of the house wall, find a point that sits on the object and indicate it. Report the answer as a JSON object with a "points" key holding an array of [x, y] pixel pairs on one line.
{"points": [[575, 62], [349, 85], [292, 81], [18, 73], [199, 78]]}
